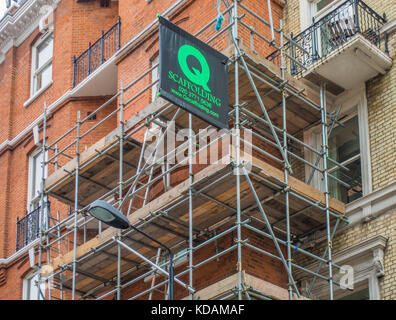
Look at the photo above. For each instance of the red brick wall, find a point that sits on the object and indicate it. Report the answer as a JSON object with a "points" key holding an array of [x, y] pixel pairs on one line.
{"points": [[75, 25], [254, 263], [7, 91], [89, 19]]}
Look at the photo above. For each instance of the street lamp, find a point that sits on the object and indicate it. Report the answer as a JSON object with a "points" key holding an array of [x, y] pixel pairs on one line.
{"points": [[106, 213]]}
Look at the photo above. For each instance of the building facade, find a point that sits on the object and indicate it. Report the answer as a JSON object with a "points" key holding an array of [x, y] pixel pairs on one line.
{"points": [[79, 82], [367, 243]]}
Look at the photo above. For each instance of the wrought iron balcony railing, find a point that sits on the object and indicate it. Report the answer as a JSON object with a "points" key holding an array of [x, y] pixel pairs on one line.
{"points": [[28, 228], [97, 53], [330, 32]]}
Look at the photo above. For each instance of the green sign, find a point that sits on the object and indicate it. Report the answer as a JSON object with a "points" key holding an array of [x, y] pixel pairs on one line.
{"points": [[193, 75]]}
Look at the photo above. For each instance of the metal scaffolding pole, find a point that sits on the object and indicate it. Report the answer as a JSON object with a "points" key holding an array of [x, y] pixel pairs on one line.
{"points": [[61, 273], [190, 205], [42, 209], [271, 23], [262, 106], [155, 273], [138, 175], [138, 168], [237, 150], [328, 134], [325, 151], [321, 262], [270, 230], [286, 171], [76, 206], [120, 184], [146, 176], [166, 273]]}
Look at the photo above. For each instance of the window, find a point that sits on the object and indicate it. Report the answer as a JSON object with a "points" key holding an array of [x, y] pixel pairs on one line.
{"points": [[91, 117], [323, 3], [349, 145], [30, 290], [363, 294], [154, 77], [42, 63], [344, 147], [35, 177]]}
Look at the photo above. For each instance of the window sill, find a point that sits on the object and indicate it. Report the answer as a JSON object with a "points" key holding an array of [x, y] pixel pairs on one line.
{"points": [[37, 94]]}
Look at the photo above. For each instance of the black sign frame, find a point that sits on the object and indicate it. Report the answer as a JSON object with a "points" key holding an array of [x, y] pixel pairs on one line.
{"points": [[203, 90]]}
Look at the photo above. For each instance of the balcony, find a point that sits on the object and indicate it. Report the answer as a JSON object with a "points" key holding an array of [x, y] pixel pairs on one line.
{"points": [[95, 57], [346, 47], [28, 228]]}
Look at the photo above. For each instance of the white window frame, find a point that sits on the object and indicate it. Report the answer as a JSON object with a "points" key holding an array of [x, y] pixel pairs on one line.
{"points": [[31, 177], [308, 10], [33, 90], [325, 10], [27, 286], [354, 103]]}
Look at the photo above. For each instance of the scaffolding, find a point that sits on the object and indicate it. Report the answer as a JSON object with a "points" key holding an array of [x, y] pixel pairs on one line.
{"points": [[260, 194]]}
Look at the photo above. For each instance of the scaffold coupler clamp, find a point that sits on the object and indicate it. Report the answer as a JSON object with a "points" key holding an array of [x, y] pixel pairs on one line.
{"points": [[241, 164], [283, 92], [148, 121]]}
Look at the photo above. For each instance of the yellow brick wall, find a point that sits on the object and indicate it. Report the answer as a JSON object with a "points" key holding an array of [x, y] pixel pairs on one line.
{"points": [[384, 225], [291, 17], [381, 93]]}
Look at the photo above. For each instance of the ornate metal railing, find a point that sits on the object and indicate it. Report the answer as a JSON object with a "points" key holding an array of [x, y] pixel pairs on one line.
{"points": [[97, 53], [330, 32], [28, 228]]}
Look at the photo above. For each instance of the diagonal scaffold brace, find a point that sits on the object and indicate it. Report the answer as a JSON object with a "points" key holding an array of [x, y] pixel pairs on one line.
{"points": [[262, 106], [268, 224]]}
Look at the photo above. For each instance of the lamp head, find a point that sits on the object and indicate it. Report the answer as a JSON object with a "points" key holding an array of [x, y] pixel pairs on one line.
{"points": [[106, 213]]}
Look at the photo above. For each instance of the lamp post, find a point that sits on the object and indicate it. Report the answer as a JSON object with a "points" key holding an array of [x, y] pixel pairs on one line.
{"points": [[106, 213]]}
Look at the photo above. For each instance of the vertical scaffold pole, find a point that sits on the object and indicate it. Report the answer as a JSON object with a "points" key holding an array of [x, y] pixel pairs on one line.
{"points": [[120, 185], [237, 153], [59, 247], [42, 213], [190, 204], [76, 205], [56, 158], [271, 22], [157, 259], [325, 151], [286, 171], [47, 241]]}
